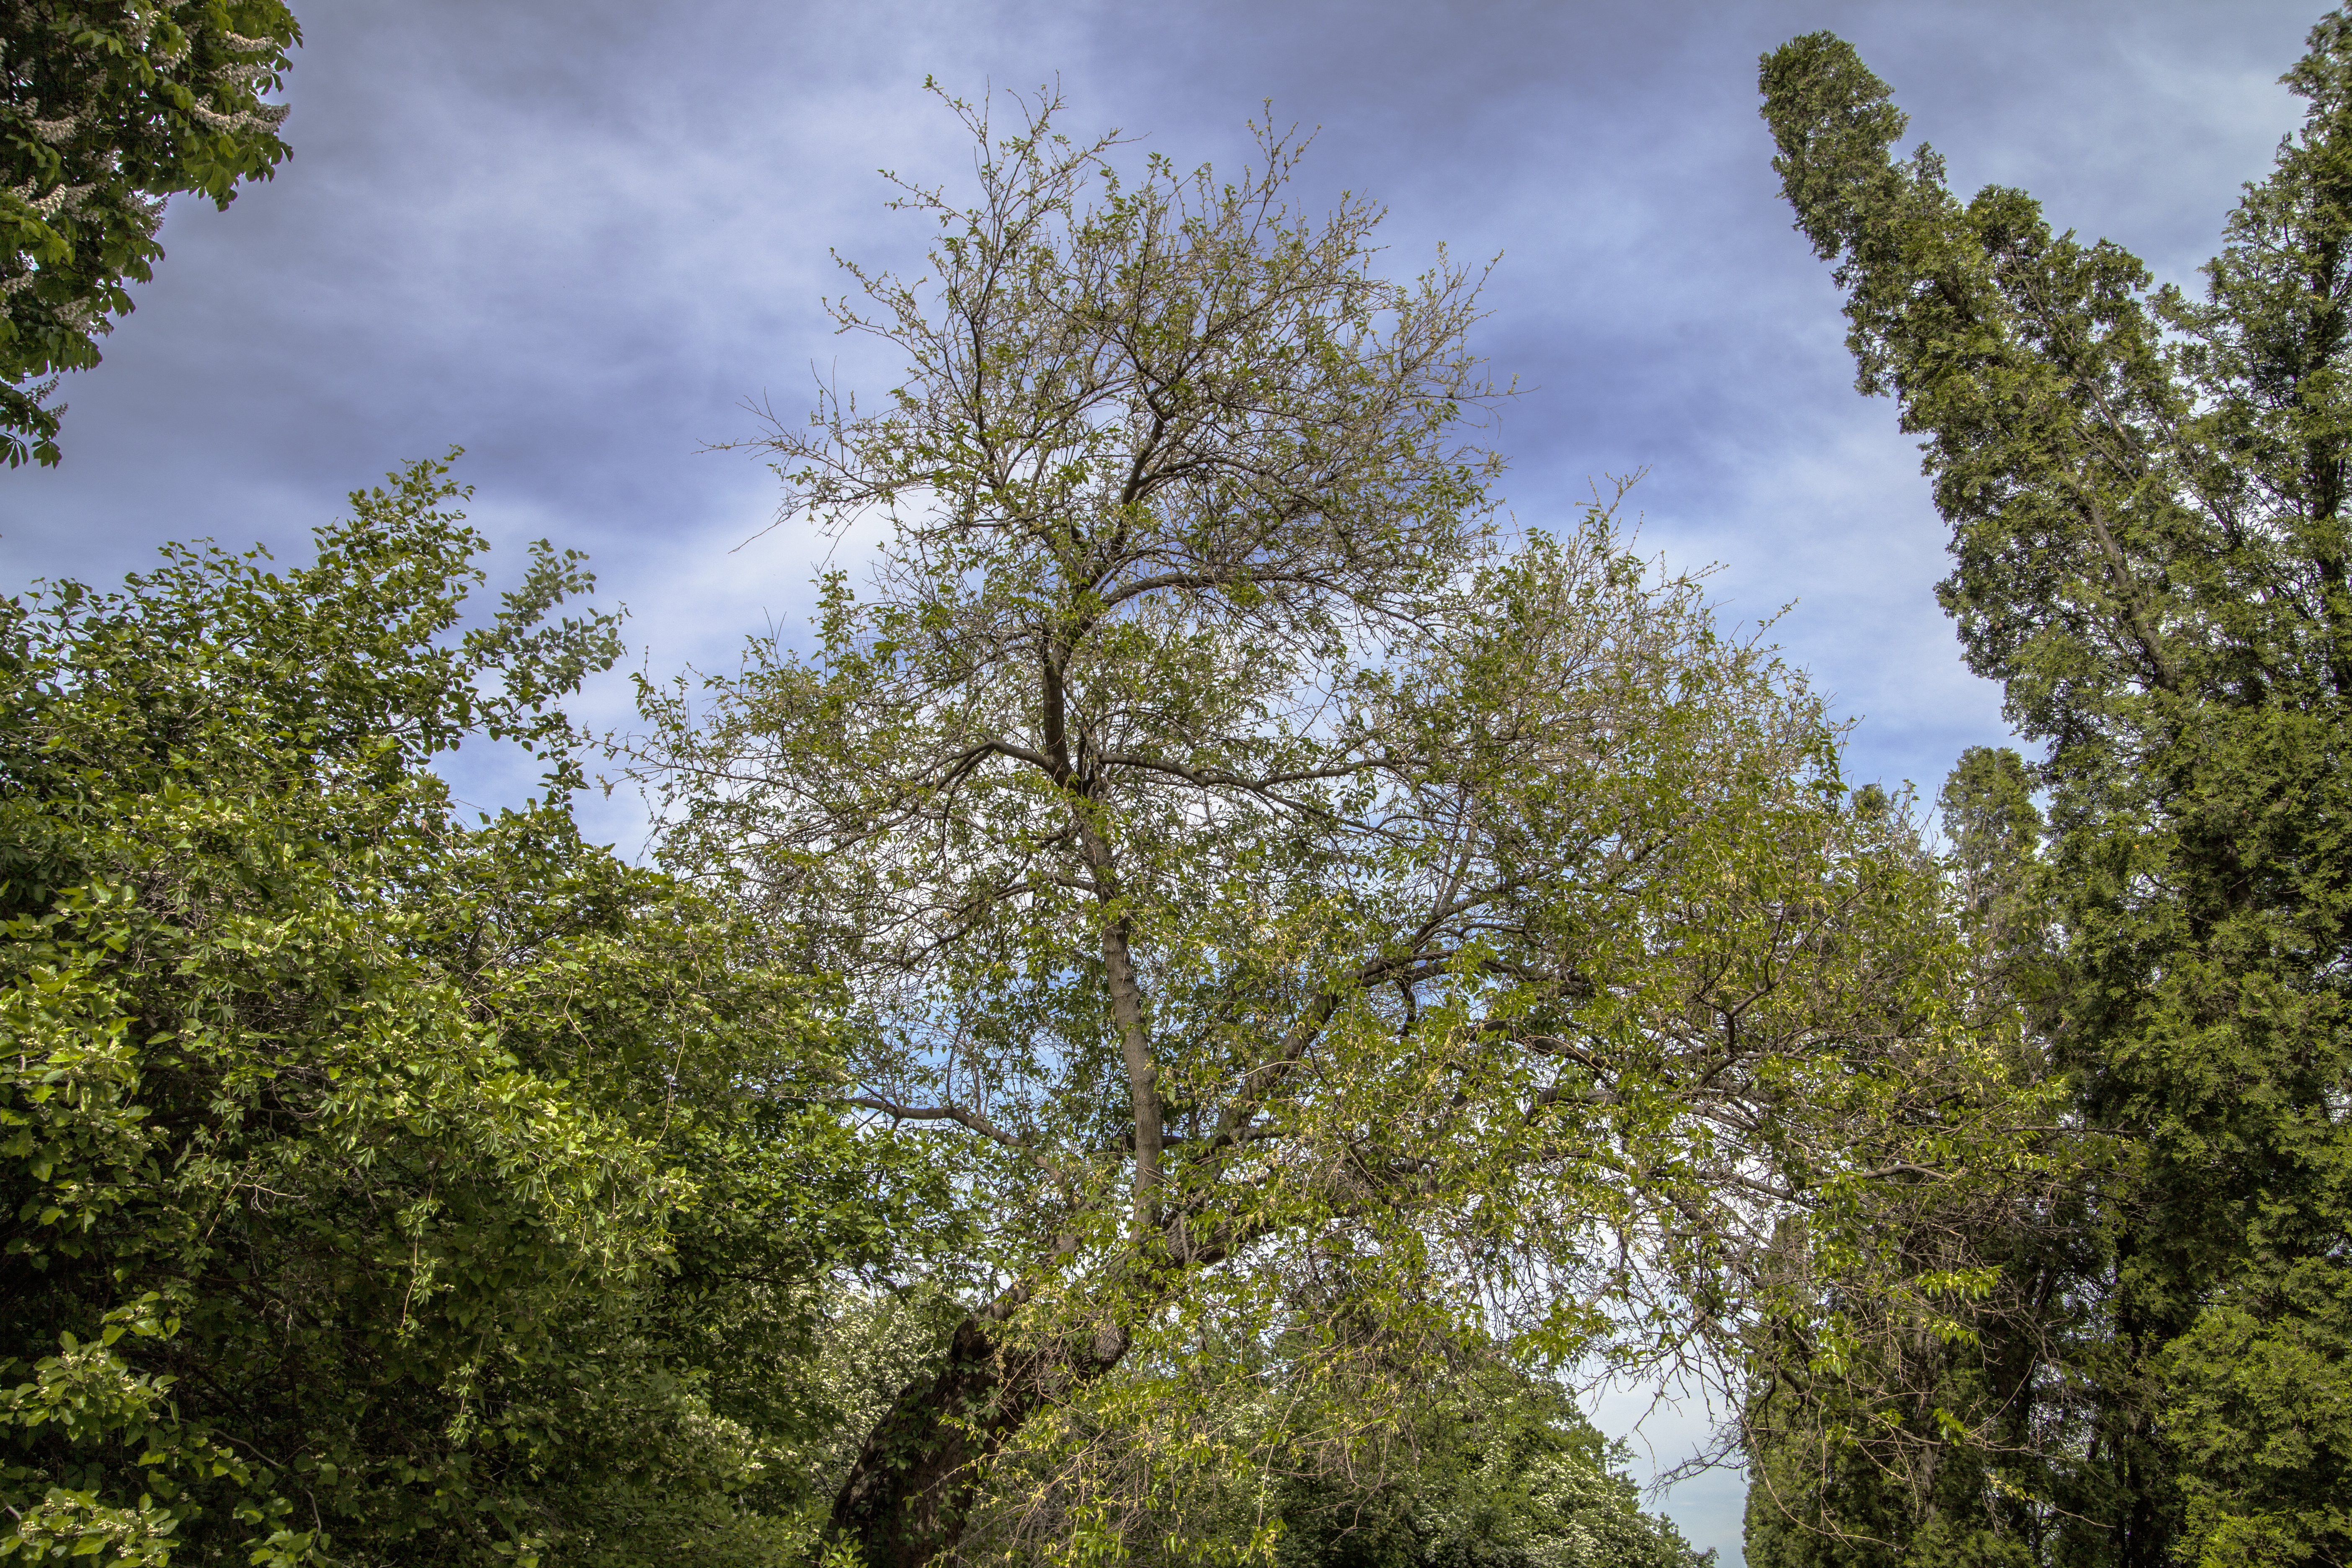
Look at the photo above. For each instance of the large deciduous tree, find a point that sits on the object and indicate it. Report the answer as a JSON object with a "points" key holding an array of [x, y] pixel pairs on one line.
{"points": [[1305, 913], [2147, 493], [379, 1186], [108, 108]]}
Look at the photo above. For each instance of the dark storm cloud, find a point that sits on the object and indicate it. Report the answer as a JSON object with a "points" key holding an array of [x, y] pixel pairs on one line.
{"points": [[575, 236]]}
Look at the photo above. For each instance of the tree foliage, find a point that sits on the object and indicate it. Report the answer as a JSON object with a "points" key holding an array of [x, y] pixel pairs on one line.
{"points": [[380, 1187], [1904, 1438], [107, 108], [1489, 1469], [2146, 493], [1300, 912]]}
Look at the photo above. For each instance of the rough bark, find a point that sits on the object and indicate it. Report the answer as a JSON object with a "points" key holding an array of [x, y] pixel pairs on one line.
{"points": [[909, 1496]]}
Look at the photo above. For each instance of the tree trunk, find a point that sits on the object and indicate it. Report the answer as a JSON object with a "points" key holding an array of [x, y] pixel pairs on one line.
{"points": [[908, 1497]]}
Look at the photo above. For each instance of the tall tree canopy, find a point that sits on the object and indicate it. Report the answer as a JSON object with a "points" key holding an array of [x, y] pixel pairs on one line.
{"points": [[380, 1187], [1304, 914], [107, 108], [2146, 493]]}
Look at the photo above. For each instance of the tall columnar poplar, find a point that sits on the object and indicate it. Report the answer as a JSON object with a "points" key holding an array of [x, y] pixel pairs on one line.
{"points": [[108, 108], [2147, 493]]}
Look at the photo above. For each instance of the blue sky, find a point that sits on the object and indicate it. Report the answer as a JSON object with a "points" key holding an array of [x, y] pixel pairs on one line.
{"points": [[575, 237]]}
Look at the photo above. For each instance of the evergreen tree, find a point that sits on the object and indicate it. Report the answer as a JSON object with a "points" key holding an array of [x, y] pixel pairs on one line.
{"points": [[2147, 497]]}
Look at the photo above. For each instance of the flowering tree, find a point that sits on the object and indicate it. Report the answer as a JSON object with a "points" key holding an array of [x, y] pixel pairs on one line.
{"points": [[107, 107]]}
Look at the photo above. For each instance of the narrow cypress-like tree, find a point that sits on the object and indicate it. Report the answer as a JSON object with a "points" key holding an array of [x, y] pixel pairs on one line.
{"points": [[2147, 497]]}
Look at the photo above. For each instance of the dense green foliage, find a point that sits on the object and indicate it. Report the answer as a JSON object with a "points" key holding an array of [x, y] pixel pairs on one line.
{"points": [[2147, 493], [107, 107], [1885, 1442], [1490, 1470], [385, 1189], [380, 1188], [1486, 1477], [1487, 1468]]}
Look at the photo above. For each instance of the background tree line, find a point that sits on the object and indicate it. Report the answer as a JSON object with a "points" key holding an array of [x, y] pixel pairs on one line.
{"points": [[1226, 976]]}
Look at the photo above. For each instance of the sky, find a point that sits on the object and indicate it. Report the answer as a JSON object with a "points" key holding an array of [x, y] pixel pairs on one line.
{"points": [[576, 238]]}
